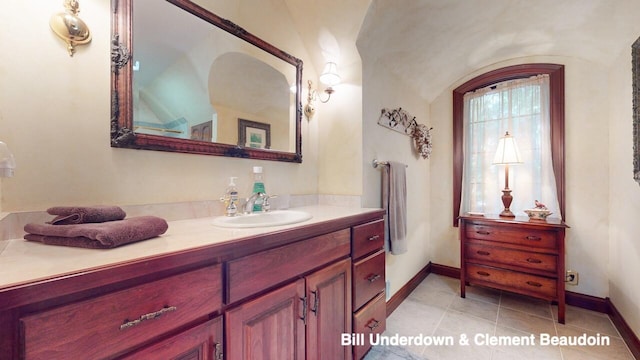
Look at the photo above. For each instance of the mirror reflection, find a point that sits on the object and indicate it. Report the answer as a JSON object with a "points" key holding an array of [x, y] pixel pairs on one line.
{"points": [[186, 80], [194, 81]]}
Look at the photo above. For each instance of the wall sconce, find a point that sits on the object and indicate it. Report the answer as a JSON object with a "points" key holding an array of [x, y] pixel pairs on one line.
{"points": [[328, 77], [7, 162], [69, 27], [507, 154]]}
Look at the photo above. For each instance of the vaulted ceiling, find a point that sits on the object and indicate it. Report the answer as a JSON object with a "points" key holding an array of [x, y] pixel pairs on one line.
{"points": [[431, 44]]}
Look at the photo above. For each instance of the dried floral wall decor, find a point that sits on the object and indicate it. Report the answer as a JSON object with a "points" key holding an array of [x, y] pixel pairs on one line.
{"points": [[401, 121]]}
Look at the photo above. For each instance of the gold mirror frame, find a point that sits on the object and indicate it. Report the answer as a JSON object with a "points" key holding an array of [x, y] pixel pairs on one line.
{"points": [[635, 68], [122, 134]]}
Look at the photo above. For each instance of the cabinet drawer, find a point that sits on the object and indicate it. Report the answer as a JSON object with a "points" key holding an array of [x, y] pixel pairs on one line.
{"points": [[367, 238], [251, 274], [524, 259], [518, 236], [512, 281], [371, 319], [112, 323], [368, 278]]}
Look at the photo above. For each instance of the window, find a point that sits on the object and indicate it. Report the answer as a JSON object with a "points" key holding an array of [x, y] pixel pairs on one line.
{"points": [[501, 96]]}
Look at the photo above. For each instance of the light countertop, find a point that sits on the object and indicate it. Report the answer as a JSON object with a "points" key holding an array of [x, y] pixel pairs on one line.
{"points": [[24, 261]]}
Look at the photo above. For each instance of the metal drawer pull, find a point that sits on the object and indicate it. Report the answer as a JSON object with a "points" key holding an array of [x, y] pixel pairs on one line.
{"points": [[483, 273], [374, 237], [534, 261], [482, 232], [534, 238], [148, 316], [481, 252], [373, 277], [533, 283], [373, 324]]}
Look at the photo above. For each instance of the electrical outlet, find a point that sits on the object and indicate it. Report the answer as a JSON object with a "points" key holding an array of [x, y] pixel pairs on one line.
{"points": [[571, 277]]}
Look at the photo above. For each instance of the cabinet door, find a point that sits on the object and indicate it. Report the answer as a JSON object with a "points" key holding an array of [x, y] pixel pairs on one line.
{"points": [[329, 296], [203, 342], [268, 327]]}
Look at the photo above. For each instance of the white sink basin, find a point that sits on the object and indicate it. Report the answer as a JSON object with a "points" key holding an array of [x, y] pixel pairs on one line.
{"points": [[271, 218]]}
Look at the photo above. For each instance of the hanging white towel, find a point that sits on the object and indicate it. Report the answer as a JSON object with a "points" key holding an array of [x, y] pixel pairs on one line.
{"points": [[394, 200]]}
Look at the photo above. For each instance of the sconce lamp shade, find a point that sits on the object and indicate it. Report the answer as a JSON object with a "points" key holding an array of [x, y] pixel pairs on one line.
{"points": [[7, 162], [330, 75], [507, 152]]}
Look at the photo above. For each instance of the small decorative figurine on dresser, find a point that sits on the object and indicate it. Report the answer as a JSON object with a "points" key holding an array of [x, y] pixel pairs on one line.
{"points": [[540, 212]]}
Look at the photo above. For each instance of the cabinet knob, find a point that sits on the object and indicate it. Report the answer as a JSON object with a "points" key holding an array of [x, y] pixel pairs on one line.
{"points": [[534, 284], [483, 232], [483, 273], [533, 238], [482, 252], [534, 261], [374, 237], [152, 315]]}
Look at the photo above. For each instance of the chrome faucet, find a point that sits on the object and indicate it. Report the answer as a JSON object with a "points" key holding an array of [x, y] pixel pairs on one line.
{"points": [[265, 206], [248, 205]]}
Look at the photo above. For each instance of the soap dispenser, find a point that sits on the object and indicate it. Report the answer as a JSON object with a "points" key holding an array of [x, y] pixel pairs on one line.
{"points": [[231, 197]]}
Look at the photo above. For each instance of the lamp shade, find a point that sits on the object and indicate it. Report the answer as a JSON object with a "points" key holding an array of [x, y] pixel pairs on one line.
{"points": [[507, 152], [330, 75]]}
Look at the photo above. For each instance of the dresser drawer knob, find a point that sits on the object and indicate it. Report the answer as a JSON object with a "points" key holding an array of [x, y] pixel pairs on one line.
{"points": [[374, 237], [149, 316], [373, 277], [482, 232], [483, 273], [534, 261], [533, 238], [533, 283], [482, 252], [373, 324]]}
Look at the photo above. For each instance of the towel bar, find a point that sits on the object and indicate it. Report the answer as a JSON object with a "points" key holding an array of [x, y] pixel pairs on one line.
{"points": [[377, 163]]}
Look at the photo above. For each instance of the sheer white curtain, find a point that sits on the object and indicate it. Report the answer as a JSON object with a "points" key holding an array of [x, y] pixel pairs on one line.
{"points": [[521, 107]]}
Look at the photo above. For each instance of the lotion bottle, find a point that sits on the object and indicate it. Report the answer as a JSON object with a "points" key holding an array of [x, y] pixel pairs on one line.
{"points": [[231, 195]]}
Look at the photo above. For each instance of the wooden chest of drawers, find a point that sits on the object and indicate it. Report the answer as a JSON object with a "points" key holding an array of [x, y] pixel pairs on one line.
{"points": [[517, 255]]}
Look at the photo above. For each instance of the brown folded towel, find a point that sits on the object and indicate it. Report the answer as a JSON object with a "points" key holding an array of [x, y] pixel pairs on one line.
{"points": [[104, 235], [80, 215]]}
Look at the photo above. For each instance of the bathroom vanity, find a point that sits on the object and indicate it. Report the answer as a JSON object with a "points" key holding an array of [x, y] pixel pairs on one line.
{"points": [[200, 291]]}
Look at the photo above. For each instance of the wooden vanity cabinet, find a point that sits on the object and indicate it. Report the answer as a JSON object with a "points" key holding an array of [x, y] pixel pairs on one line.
{"points": [[516, 255], [203, 342], [302, 320], [369, 306], [285, 295]]}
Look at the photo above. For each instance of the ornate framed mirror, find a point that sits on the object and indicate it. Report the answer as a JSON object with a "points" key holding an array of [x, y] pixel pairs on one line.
{"points": [[635, 68], [185, 87]]}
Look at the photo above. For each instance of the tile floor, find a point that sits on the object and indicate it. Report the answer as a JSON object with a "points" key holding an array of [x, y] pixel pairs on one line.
{"points": [[435, 309]]}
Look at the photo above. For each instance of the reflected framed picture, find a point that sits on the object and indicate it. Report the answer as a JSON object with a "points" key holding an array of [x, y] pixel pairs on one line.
{"points": [[254, 134]]}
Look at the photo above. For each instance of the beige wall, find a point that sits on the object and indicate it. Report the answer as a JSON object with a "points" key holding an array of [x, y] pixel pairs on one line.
{"points": [[383, 90], [55, 111], [624, 201]]}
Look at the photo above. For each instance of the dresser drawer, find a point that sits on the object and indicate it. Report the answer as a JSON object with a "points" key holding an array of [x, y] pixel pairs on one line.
{"points": [[512, 281], [512, 235], [368, 278], [524, 259], [112, 323], [371, 319], [251, 274], [367, 238]]}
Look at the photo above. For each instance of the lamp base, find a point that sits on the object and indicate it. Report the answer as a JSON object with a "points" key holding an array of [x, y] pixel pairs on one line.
{"points": [[506, 201]]}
